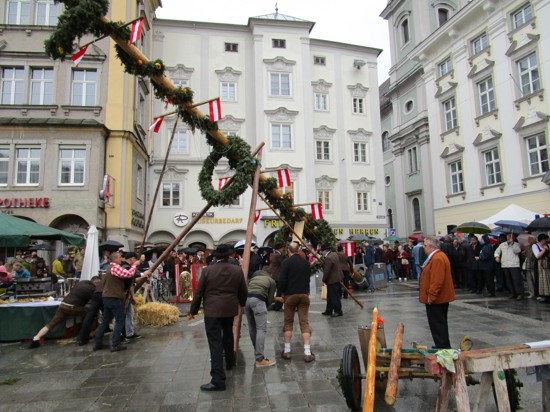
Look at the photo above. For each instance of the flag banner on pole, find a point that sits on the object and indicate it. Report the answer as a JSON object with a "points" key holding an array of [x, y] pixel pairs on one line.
{"points": [[135, 31], [349, 249], [157, 121], [257, 214], [215, 110], [79, 55], [316, 211], [222, 182], [284, 178]]}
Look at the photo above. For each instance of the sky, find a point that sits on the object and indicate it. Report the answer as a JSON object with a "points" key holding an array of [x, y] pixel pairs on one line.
{"points": [[347, 21]]}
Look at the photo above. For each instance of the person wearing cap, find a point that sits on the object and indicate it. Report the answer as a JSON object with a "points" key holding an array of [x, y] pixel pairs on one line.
{"points": [[255, 261], [113, 302], [221, 289], [57, 267], [131, 285], [261, 292], [6, 278], [345, 266], [507, 254], [78, 261], [274, 270], [332, 276], [73, 304]]}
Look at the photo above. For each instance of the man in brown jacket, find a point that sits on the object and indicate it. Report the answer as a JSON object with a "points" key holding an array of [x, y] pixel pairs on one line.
{"points": [[332, 276], [223, 289], [345, 266], [274, 270], [436, 291]]}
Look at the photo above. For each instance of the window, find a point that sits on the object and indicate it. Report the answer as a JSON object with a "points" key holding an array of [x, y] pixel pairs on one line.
{"points": [[321, 102], [84, 87], [492, 167], [445, 67], [281, 136], [318, 60], [537, 154], [457, 181], [386, 143], [279, 43], [72, 164], [412, 160], [323, 150], [231, 47], [360, 152], [13, 85], [358, 105], [180, 144], [479, 44], [387, 180], [139, 182], [41, 86], [416, 215], [409, 105], [486, 95], [323, 197], [28, 166], [228, 91], [442, 16], [279, 84], [4, 165], [522, 16], [46, 12], [449, 108], [405, 35], [171, 194], [529, 75], [362, 201], [180, 83], [19, 12]]}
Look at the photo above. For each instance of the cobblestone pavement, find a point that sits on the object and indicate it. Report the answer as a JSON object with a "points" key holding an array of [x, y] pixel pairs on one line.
{"points": [[163, 371]]}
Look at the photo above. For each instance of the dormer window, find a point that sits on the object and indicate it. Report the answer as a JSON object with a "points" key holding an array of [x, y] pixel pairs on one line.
{"points": [[279, 43]]}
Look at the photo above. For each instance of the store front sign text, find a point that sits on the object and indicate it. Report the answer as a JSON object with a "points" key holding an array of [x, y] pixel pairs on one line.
{"points": [[217, 220], [31, 202]]}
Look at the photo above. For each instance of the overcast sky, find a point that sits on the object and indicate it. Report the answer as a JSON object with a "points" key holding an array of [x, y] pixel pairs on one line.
{"points": [[346, 21]]}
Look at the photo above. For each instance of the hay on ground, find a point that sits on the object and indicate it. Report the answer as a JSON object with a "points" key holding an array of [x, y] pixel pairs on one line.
{"points": [[156, 314]]}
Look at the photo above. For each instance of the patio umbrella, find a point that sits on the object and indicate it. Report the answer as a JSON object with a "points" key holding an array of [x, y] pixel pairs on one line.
{"points": [[42, 246], [512, 226], [415, 237], [473, 227], [392, 238], [359, 238], [377, 241], [240, 244], [111, 245], [190, 250], [90, 265], [542, 224], [267, 249]]}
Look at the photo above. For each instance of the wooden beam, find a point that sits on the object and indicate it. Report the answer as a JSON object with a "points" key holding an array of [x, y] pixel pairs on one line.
{"points": [[368, 400]]}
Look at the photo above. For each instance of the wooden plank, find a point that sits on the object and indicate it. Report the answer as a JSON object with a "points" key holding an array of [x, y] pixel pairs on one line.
{"points": [[501, 391], [460, 387], [522, 358], [298, 231], [485, 389], [393, 375], [442, 404], [368, 401], [546, 395]]}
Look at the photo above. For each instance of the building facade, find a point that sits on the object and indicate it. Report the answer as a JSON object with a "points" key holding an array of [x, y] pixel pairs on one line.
{"points": [[63, 128], [313, 102], [472, 74]]}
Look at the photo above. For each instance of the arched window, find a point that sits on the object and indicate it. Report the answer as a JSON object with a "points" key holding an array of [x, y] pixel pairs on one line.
{"points": [[416, 215], [390, 218], [443, 16], [405, 35], [386, 144]]}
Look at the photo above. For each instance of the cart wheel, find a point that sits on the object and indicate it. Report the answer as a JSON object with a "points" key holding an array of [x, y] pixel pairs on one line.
{"points": [[351, 371], [512, 385]]}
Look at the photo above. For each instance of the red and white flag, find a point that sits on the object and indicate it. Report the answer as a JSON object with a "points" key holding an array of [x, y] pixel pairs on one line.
{"points": [[79, 55], [316, 211], [257, 214], [222, 182], [135, 31], [157, 121], [349, 249], [284, 178], [215, 110]]}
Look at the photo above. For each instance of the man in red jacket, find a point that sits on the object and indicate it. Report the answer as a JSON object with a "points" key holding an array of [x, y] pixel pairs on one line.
{"points": [[436, 291]]}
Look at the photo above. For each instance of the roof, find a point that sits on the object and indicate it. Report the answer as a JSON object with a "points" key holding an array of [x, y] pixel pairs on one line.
{"points": [[279, 16], [36, 122]]}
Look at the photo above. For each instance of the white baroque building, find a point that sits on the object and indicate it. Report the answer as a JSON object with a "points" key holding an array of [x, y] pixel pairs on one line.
{"points": [[314, 102], [467, 88]]}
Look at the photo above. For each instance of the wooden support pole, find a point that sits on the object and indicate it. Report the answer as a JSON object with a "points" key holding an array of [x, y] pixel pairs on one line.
{"points": [[248, 243], [395, 363], [107, 35], [368, 400], [314, 253], [159, 183]]}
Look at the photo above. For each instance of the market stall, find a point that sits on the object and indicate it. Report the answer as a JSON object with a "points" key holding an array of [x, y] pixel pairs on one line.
{"points": [[20, 321]]}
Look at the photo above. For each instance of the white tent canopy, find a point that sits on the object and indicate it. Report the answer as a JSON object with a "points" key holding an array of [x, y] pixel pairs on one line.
{"points": [[511, 212]]}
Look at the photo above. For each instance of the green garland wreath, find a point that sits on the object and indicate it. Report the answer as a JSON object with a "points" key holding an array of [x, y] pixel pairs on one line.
{"points": [[238, 154]]}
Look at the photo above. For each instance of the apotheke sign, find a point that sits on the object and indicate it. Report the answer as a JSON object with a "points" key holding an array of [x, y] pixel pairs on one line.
{"points": [[22, 202]]}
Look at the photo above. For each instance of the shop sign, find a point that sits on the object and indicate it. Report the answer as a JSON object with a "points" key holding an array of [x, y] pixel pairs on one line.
{"points": [[356, 231], [181, 219], [20, 202], [219, 220], [207, 214], [272, 223], [138, 219]]}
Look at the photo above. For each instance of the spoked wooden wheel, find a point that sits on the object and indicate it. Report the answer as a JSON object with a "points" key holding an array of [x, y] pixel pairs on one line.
{"points": [[351, 371]]}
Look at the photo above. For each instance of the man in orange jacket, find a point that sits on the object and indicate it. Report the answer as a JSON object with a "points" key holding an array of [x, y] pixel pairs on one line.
{"points": [[436, 291]]}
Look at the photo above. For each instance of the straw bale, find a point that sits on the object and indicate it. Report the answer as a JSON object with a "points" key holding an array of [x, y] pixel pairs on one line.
{"points": [[156, 314]]}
